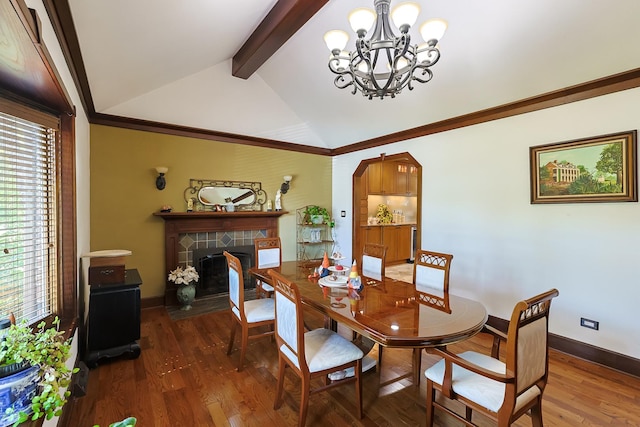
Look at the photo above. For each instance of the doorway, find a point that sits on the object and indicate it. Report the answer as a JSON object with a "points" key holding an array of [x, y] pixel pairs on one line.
{"points": [[387, 205]]}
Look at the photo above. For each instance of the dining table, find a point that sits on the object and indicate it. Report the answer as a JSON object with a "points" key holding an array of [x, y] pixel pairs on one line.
{"points": [[390, 312]]}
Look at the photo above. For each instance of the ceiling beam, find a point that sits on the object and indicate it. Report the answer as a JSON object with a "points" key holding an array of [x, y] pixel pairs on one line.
{"points": [[283, 21]]}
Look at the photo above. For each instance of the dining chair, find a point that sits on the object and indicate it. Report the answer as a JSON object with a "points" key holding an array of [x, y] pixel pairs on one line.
{"points": [[431, 272], [373, 260], [431, 279], [313, 354], [503, 391], [268, 254], [253, 316]]}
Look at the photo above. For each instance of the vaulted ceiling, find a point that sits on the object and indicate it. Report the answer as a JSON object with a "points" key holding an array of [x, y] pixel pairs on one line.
{"points": [[170, 64]]}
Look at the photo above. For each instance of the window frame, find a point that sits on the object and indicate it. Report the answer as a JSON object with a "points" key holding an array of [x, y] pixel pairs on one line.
{"points": [[66, 307]]}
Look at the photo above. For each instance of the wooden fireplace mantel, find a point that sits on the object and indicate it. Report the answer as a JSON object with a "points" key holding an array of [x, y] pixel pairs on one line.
{"points": [[171, 216], [176, 223]]}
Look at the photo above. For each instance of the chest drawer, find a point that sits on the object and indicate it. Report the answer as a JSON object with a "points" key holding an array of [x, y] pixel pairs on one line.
{"points": [[106, 275]]}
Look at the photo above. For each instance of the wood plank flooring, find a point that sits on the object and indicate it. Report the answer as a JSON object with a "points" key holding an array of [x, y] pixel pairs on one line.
{"points": [[183, 377]]}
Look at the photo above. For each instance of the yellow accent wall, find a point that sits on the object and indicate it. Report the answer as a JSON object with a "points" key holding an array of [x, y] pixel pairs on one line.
{"points": [[124, 195]]}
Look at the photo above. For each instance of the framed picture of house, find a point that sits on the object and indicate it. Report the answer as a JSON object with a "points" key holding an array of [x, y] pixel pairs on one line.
{"points": [[598, 169]]}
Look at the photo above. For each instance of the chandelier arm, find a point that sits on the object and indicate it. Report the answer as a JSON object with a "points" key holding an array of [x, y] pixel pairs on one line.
{"points": [[425, 70]]}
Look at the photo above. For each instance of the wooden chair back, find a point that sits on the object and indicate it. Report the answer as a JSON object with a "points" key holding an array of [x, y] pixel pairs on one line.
{"points": [[236, 286], [289, 328], [527, 346], [431, 272], [373, 260], [268, 252]]}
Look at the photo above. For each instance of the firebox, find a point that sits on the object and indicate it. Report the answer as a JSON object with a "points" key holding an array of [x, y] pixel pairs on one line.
{"points": [[214, 273]]}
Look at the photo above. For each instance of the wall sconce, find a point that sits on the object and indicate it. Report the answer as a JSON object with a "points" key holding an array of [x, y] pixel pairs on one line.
{"points": [[160, 181], [285, 185]]}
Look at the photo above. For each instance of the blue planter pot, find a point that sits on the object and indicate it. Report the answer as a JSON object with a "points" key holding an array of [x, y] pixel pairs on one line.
{"points": [[16, 392]]}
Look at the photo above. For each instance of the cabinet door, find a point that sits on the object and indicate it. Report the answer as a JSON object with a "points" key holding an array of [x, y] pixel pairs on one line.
{"points": [[412, 181], [114, 317], [390, 240], [406, 179], [372, 235], [374, 178], [389, 177], [402, 171], [404, 242]]}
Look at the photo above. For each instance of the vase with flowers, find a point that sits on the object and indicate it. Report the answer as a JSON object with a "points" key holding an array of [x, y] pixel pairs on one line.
{"points": [[185, 278]]}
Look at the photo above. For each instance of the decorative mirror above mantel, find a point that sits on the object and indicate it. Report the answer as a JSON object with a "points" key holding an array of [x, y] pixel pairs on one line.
{"points": [[215, 195]]}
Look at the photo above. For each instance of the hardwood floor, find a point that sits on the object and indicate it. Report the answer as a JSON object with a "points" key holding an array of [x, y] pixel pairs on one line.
{"points": [[183, 377]]}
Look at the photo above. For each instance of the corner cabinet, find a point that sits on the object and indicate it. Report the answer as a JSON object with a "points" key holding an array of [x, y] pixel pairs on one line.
{"points": [[312, 240]]}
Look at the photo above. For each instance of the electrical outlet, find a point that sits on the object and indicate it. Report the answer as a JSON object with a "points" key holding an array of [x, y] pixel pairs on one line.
{"points": [[343, 214], [591, 324]]}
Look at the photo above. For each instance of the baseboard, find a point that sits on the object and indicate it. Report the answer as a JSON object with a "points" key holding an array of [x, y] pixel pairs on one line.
{"points": [[152, 302], [601, 356]]}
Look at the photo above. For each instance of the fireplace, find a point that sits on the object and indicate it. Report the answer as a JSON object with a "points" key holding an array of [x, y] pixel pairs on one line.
{"points": [[186, 232], [214, 273]]}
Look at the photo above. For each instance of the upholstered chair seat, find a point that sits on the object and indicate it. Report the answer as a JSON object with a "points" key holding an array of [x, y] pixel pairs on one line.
{"points": [[482, 390]]}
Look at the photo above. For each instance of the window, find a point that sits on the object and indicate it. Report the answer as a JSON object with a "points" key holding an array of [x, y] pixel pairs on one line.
{"points": [[28, 216]]}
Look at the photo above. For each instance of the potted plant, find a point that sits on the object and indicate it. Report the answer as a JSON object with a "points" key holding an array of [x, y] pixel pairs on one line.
{"points": [[127, 422], [186, 291], [314, 214], [37, 358]]}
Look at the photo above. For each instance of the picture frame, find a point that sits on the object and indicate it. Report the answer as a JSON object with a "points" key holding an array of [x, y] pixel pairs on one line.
{"points": [[596, 169]]}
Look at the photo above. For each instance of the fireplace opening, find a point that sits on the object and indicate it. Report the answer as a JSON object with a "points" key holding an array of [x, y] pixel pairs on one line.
{"points": [[214, 273]]}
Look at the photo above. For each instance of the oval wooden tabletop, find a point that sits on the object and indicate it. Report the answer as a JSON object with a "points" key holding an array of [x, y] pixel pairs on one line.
{"points": [[390, 312]]}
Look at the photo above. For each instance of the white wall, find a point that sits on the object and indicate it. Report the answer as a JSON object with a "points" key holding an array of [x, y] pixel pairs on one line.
{"points": [[82, 149], [476, 206]]}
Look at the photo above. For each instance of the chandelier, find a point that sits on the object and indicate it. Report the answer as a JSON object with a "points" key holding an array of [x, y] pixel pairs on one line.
{"points": [[384, 64]]}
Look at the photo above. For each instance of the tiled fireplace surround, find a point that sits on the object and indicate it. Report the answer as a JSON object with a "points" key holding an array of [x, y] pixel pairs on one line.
{"points": [[187, 242], [187, 231]]}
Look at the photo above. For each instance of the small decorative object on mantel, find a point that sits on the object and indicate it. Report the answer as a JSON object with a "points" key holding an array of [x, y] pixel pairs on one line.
{"points": [[278, 200], [184, 278], [166, 208], [229, 206], [190, 205]]}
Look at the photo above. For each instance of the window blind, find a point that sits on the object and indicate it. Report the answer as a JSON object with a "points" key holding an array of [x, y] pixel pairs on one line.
{"points": [[28, 231]]}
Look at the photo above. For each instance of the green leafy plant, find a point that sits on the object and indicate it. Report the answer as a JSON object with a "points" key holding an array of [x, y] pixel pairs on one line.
{"points": [[127, 422], [47, 349], [315, 210], [383, 215]]}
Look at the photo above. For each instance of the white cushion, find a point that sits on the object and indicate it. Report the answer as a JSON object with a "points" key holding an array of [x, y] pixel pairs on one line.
{"points": [[286, 323], [234, 286], [428, 277], [372, 267], [258, 310], [265, 286], [269, 258], [484, 391], [325, 349], [368, 362], [532, 352]]}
